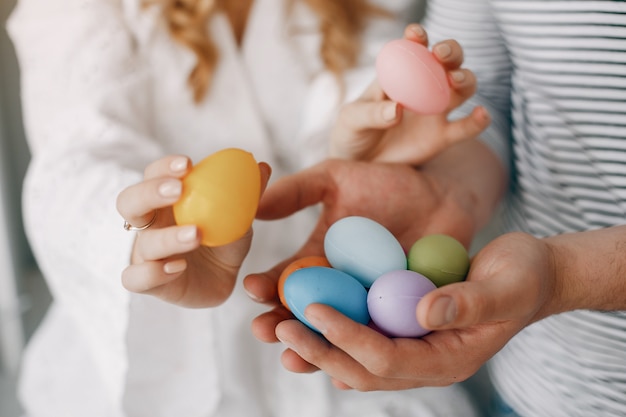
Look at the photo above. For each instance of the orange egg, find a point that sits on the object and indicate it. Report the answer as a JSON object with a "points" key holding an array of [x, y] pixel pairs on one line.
{"points": [[305, 262], [221, 195]]}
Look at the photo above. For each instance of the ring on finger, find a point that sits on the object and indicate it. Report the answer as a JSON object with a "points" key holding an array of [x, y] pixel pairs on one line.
{"points": [[130, 228]]}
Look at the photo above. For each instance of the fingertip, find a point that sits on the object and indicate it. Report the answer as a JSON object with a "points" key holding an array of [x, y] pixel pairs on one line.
{"points": [[265, 168], [390, 112], [415, 32], [482, 116], [264, 326], [294, 363], [175, 266], [442, 51], [439, 309], [260, 288], [457, 78], [340, 385], [179, 165], [442, 312]]}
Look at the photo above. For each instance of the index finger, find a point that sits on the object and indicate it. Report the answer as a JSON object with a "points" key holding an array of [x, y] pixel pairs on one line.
{"points": [[293, 193]]}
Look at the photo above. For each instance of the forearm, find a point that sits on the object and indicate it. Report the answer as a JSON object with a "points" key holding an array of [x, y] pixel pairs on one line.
{"points": [[473, 175], [589, 269]]}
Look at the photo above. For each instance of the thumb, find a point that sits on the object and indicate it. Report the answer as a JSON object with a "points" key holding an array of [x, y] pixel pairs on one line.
{"points": [[465, 304]]}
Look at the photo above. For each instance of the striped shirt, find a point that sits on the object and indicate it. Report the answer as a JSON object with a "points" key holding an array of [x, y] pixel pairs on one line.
{"points": [[553, 75]]}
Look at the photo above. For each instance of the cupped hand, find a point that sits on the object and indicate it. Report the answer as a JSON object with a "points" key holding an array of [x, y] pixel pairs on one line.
{"points": [[168, 260], [510, 285], [409, 202], [375, 128]]}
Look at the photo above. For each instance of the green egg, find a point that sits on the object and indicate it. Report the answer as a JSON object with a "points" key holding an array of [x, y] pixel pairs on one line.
{"points": [[440, 258]]}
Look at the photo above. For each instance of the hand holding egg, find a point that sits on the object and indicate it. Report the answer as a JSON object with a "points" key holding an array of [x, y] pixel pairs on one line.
{"points": [[370, 276], [190, 256], [403, 116]]}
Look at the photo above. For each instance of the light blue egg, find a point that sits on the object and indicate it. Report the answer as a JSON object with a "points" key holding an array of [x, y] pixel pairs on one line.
{"points": [[328, 286], [363, 248]]}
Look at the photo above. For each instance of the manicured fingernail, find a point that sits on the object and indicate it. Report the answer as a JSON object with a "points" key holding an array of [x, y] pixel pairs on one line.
{"points": [[390, 112], [187, 234], [442, 312], [458, 76], [442, 50], [171, 188], [316, 322], [178, 164], [174, 267]]}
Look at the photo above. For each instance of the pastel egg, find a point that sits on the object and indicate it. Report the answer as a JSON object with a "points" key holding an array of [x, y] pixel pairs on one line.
{"points": [[363, 248], [306, 262], [328, 286], [441, 258], [220, 195], [410, 75], [392, 302]]}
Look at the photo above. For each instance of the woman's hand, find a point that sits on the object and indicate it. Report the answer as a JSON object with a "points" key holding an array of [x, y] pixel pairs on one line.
{"points": [[373, 128], [168, 260]]}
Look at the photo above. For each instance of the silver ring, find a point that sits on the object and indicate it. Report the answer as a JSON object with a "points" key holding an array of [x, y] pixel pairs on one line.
{"points": [[130, 228]]}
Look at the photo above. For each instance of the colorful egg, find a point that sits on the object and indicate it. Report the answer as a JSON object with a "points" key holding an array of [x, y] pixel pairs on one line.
{"points": [[441, 258], [410, 75], [363, 249], [221, 195], [392, 303], [328, 286], [305, 262]]}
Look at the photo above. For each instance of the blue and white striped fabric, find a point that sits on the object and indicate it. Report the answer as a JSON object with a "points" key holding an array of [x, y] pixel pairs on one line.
{"points": [[553, 75]]}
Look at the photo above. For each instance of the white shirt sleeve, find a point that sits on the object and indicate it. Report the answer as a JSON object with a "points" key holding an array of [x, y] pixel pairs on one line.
{"points": [[86, 107]]}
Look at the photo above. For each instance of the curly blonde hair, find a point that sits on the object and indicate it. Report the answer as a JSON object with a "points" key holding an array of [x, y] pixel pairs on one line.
{"points": [[340, 22]]}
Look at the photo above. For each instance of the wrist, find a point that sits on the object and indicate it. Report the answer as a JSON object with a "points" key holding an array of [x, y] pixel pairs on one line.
{"points": [[472, 175], [588, 269]]}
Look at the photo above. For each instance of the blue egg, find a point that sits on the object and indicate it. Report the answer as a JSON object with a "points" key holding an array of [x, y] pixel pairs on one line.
{"points": [[326, 286], [363, 248]]}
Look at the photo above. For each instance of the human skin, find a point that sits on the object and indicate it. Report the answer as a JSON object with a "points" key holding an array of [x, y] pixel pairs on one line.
{"points": [[438, 197], [513, 282], [168, 260], [374, 128]]}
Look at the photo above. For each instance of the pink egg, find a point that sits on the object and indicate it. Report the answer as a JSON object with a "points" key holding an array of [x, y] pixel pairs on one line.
{"points": [[410, 75], [392, 302]]}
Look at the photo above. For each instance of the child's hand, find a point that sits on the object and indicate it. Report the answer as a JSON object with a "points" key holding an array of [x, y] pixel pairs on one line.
{"points": [[168, 260], [374, 128]]}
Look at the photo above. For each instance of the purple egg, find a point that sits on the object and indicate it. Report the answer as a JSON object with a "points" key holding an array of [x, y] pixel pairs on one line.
{"points": [[392, 302]]}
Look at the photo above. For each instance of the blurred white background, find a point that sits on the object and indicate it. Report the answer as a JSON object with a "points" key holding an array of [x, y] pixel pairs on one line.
{"points": [[23, 295]]}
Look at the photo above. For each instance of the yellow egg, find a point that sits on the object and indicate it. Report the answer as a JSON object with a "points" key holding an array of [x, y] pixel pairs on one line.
{"points": [[221, 195]]}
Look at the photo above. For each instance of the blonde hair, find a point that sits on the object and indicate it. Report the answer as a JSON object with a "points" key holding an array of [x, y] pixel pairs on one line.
{"points": [[341, 24]]}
